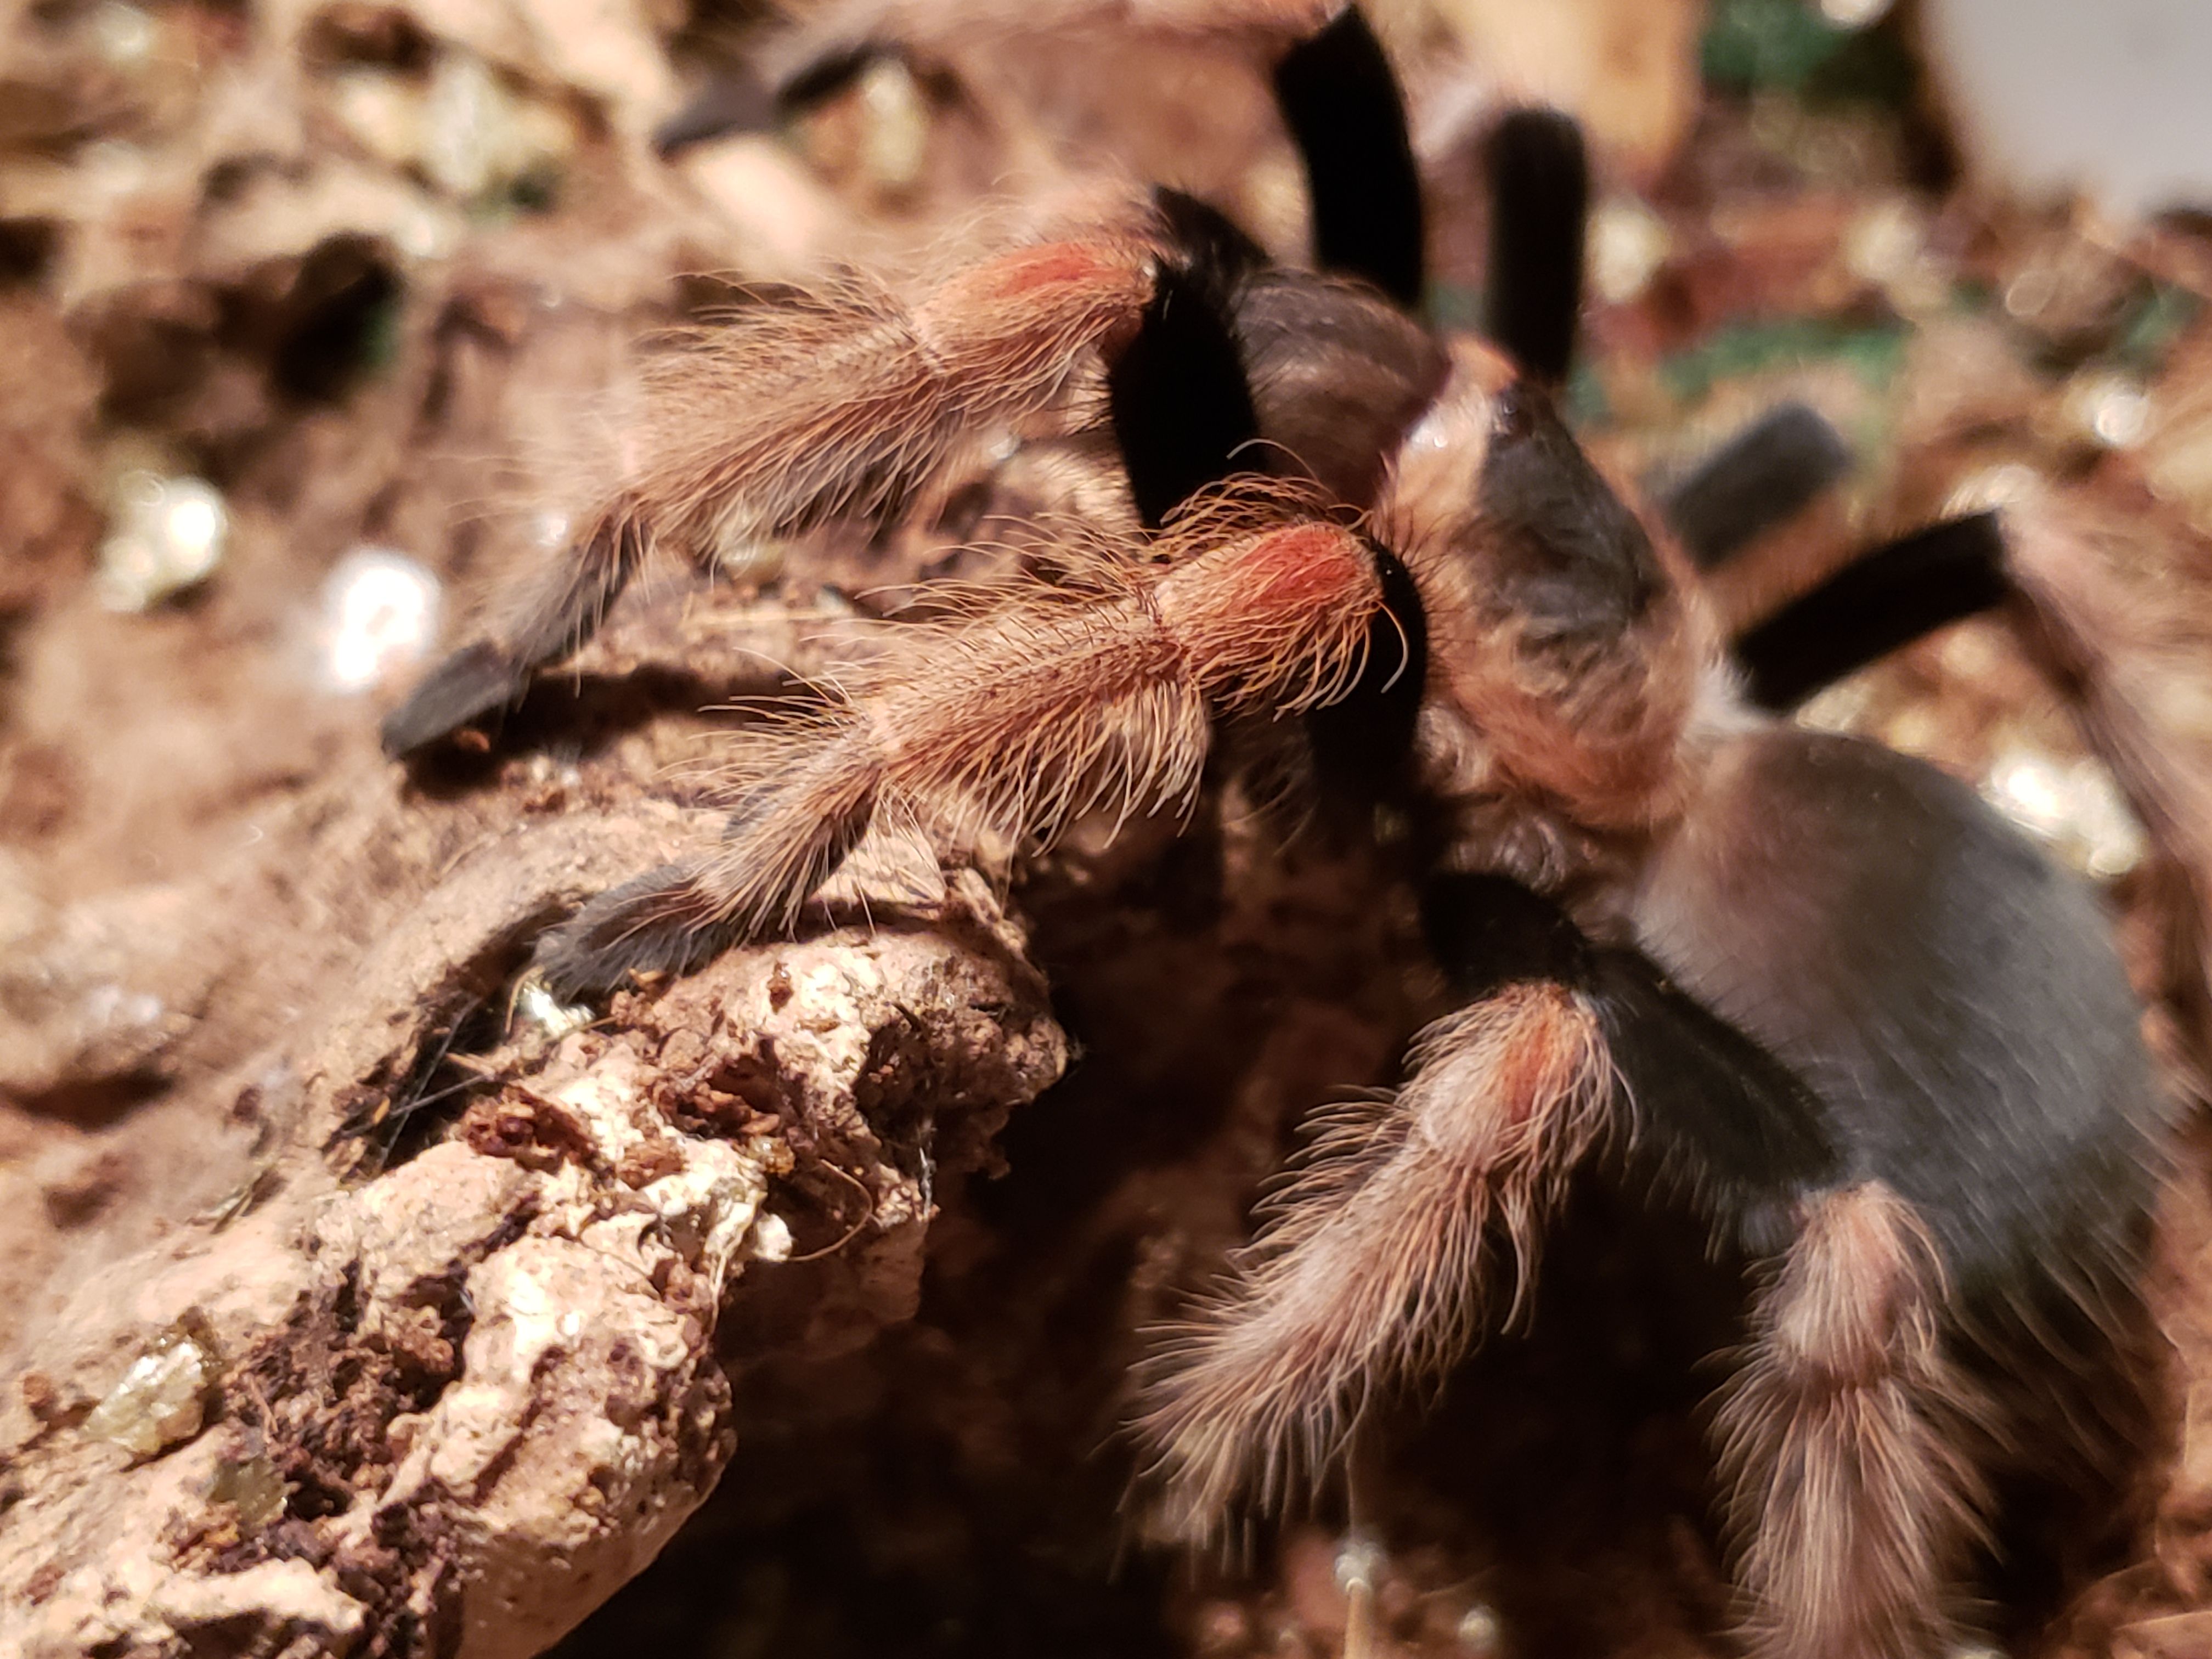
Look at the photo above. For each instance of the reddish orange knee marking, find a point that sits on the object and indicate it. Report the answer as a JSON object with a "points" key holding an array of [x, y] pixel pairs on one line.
{"points": [[1301, 570], [1058, 264], [1038, 301]]}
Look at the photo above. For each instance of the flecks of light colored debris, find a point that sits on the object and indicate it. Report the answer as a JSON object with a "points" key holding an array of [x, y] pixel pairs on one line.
{"points": [[1479, 1631], [895, 146], [772, 1240], [161, 1397], [381, 614], [538, 1011], [606, 48], [1359, 1563], [2072, 806], [1320, 1605], [467, 131], [122, 34], [1628, 243], [253, 1486], [2005, 485], [872, 138], [742, 555], [1885, 241], [1223, 1626], [1838, 707], [1887, 245], [2111, 409], [381, 110], [166, 535], [1854, 14], [276, 214]]}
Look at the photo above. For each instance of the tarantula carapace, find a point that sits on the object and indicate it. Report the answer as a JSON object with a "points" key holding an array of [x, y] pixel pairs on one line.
{"points": [[1815, 991]]}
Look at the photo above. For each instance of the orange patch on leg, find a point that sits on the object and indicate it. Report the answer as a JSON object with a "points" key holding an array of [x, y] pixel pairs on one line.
{"points": [[1035, 305], [1060, 265], [1074, 277], [1296, 570]]}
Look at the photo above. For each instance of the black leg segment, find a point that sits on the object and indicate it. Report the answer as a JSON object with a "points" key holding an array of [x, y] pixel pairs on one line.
{"points": [[1539, 202], [1884, 599], [1759, 479], [554, 614], [1347, 117], [1362, 743], [1178, 396], [478, 680], [1715, 1115]]}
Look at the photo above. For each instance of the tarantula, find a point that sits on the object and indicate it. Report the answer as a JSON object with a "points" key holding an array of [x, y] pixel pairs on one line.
{"points": [[1814, 991]]}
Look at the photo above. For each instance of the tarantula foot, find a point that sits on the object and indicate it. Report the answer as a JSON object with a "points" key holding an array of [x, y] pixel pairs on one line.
{"points": [[662, 922], [471, 683]]}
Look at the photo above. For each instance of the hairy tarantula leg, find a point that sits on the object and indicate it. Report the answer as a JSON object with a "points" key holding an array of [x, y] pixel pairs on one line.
{"points": [[1761, 477], [1051, 705], [1347, 114], [1539, 175], [1712, 1113], [800, 411], [1883, 600], [551, 617], [1852, 1508], [1376, 1268]]}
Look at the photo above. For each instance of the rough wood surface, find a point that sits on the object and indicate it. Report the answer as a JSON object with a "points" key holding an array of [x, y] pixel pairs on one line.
{"points": [[450, 1405]]}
